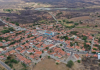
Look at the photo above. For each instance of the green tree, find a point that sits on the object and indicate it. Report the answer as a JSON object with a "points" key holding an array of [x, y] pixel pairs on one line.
{"points": [[63, 20], [84, 38], [76, 23], [99, 40], [10, 65], [70, 64], [78, 61], [5, 31], [49, 57], [11, 29], [13, 61], [57, 63], [8, 58], [71, 44], [17, 24], [40, 56], [60, 44], [47, 48], [96, 26]]}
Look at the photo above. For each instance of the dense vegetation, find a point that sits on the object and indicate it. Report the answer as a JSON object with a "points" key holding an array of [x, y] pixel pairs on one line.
{"points": [[7, 30]]}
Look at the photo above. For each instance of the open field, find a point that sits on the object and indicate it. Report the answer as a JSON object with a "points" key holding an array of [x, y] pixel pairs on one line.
{"points": [[80, 18], [19, 5], [26, 17], [68, 3], [50, 64]]}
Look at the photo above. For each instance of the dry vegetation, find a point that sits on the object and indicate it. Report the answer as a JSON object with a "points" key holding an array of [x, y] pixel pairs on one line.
{"points": [[1, 67], [91, 63], [50, 64]]}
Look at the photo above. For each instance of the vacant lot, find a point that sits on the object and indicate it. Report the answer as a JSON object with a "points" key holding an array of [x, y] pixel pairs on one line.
{"points": [[80, 18], [91, 63], [50, 64], [26, 16]]}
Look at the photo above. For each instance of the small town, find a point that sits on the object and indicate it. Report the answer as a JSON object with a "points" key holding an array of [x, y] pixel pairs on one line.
{"points": [[30, 44], [49, 34]]}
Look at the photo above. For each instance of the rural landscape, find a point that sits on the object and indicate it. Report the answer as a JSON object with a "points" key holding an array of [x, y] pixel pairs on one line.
{"points": [[49, 34]]}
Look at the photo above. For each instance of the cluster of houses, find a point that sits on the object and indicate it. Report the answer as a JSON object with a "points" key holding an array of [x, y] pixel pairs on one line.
{"points": [[30, 45]]}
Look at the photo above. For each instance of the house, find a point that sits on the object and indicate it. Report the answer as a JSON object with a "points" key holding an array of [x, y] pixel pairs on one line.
{"points": [[1, 44], [57, 61], [58, 56], [48, 33], [1, 49], [23, 59], [12, 51], [77, 57], [2, 57], [90, 37], [39, 38], [95, 55], [23, 51], [19, 49], [30, 51]]}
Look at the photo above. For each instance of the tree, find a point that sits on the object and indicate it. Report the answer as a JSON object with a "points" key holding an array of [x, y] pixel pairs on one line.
{"points": [[40, 56], [42, 51], [63, 20], [96, 26], [60, 44], [99, 40], [8, 57], [13, 61], [7, 18], [84, 38], [17, 24], [74, 32], [71, 44], [80, 22], [24, 65], [76, 23], [78, 61], [11, 29], [10, 65], [57, 63], [5, 31], [70, 64], [48, 57], [47, 48], [63, 49]]}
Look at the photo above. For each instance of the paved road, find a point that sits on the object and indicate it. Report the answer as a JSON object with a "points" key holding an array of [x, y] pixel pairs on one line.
{"points": [[92, 44], [54, 18], [2, 63]]}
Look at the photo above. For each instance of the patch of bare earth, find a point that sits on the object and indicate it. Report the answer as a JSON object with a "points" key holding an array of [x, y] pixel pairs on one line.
{"points": [[50, 64], [1, 67], [80, 18]]}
